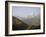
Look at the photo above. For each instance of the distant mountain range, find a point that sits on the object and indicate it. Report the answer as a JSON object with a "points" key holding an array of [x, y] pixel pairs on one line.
{"points": [[31, 20]]}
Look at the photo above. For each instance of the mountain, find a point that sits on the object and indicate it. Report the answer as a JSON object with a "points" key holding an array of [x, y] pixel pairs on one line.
{"points": [[31, 20], [17, 24], [22, 23]]}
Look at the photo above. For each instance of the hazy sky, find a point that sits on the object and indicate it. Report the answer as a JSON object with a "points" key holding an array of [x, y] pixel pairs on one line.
{"points": [[24, 11]]}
